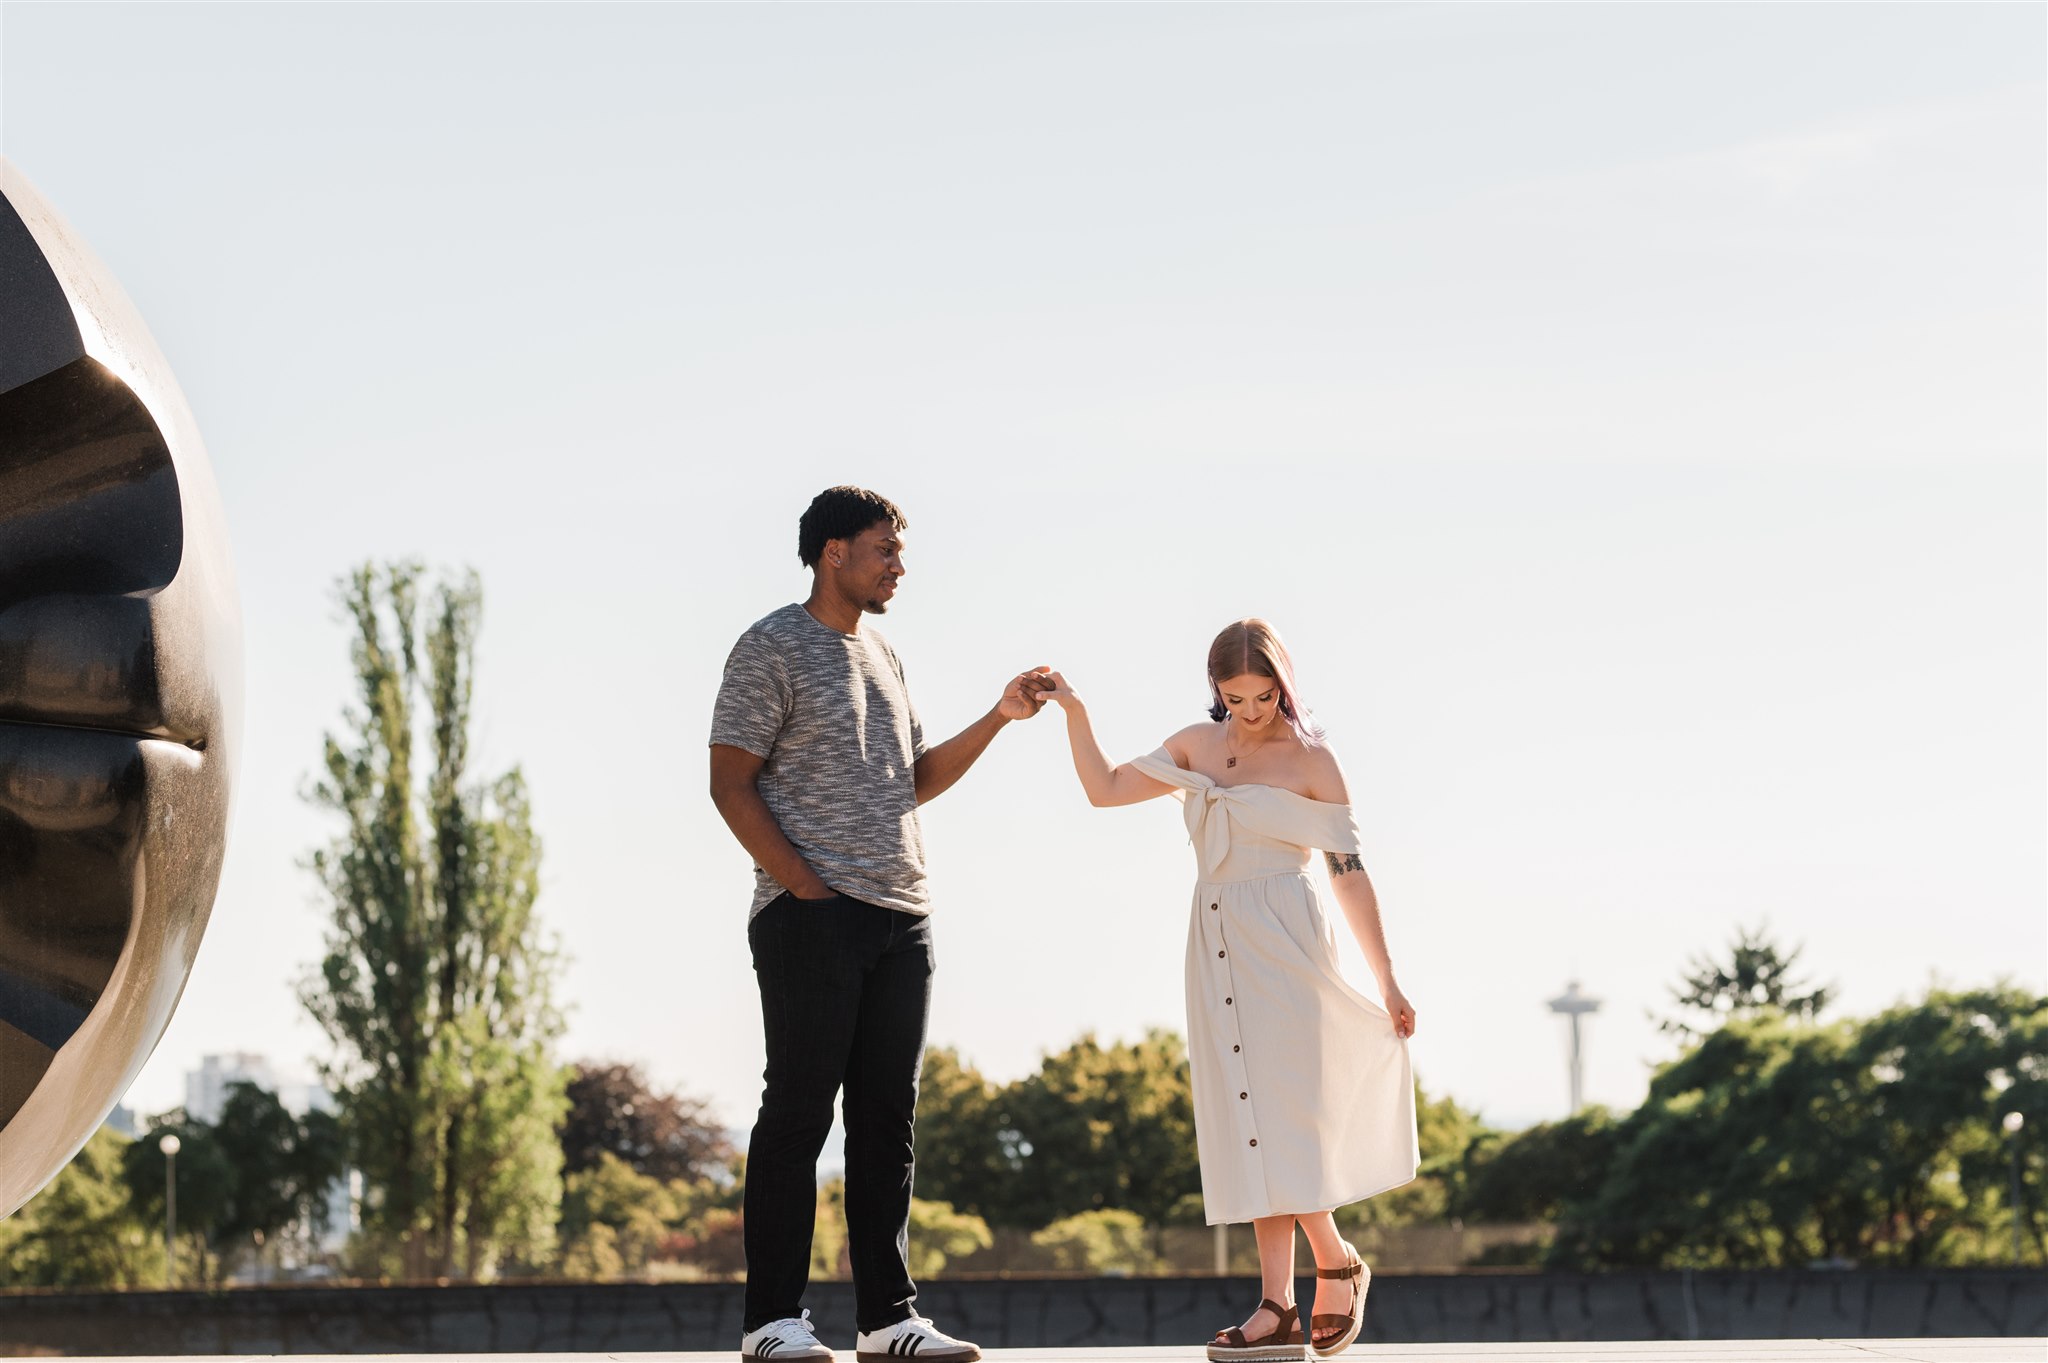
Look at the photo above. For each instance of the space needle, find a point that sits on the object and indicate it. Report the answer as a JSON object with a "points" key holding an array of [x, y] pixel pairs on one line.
{"points": [[1575, 1005]]}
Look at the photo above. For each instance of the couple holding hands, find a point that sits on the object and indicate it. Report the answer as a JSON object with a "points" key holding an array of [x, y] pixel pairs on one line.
{"points": [[1303, 1096]]}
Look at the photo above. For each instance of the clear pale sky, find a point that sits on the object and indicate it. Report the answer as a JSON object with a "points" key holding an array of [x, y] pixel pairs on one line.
{"points": [[1632, 416]]}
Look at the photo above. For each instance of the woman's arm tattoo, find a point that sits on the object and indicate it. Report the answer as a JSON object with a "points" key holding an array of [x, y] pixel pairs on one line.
{"points": [[1340, 862]]}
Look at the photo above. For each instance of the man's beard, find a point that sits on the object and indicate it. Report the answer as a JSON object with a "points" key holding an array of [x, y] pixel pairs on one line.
{"points": [[874, 605]]}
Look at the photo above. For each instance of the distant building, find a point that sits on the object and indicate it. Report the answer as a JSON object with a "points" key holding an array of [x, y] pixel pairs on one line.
{"points": [[299, 1099], [206, 1088], [122, 1120], [206, 1097]]}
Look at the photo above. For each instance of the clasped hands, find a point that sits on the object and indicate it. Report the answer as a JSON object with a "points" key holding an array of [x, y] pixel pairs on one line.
{"points": [[1028, 692]]}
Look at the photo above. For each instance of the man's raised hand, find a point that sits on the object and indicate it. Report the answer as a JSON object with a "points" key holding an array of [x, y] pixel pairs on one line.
{"points": [[1025, 695]]}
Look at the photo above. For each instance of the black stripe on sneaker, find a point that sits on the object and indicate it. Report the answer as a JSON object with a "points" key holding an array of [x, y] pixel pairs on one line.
{"points": [[915, 1341], [766, 1347]]}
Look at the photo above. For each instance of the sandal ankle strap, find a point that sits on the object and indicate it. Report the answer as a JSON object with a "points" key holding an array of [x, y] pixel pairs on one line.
{"points": [[1289, 1318], [1354, 1269]]}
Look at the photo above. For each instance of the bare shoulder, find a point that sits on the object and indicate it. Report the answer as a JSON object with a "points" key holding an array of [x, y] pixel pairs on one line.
{"points": [[1183, 746], [1326, 776]]}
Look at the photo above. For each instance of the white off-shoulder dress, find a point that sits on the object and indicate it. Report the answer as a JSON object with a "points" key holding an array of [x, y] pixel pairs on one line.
{"points": [[1304, 1099]]}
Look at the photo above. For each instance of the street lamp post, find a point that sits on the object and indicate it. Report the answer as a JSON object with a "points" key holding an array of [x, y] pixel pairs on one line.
{"points": [[2013, 1122], [169, 1145]]}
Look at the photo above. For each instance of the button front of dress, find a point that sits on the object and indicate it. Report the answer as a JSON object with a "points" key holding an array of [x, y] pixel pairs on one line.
{"points": [[1304, 1099], [1219, 982]]}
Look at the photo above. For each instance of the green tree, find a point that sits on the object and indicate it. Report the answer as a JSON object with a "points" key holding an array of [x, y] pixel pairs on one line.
{"points": [[711, 1234], [242, 1180], [828, 1232], [616, 1219], [961, 1159], [1774, 1142], [1756, 978], [83, 1230], [1738, 1158], [939, 1234], [282, 1166], [1107, 1240], [1942, 1073], [436, 988], [1100, 1127], [613, 1109], [1534, 1174]]}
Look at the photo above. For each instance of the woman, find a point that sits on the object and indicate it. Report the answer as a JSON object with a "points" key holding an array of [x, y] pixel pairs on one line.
{"points": [[1303, 1096]]}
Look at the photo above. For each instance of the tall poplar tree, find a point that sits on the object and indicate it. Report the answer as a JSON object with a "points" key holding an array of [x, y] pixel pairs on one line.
{"points": [[436, 987]]}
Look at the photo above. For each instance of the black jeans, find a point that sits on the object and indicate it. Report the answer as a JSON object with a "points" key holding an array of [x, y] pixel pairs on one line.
{"points": [[845, 990]]}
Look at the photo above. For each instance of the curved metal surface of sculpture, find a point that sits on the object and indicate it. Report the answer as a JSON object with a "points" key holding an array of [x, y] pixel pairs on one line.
{"points": [[120, 675]]}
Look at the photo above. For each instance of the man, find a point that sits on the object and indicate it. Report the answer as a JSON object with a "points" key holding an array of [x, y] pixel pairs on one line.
{"points": [[818, 765]]}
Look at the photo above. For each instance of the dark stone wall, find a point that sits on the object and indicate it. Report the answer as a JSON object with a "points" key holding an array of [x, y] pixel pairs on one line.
{"points": [[1027, 1312]]}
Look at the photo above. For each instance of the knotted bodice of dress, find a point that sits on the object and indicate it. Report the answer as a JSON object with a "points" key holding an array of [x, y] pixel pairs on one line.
{"points": [[1249, 831]]}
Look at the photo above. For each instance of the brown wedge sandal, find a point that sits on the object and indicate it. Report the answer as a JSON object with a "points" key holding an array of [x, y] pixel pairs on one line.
{"points": [[1282, 1345], [1345, 1327]]}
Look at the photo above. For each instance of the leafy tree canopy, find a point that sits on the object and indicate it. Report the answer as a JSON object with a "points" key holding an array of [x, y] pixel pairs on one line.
{"points": [[1755, 977], [1773, 1142], [659, 1133], [83, 1229]]}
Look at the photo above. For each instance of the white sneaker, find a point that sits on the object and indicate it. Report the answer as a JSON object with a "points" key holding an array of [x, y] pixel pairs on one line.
{"points": [[913, 1338], [790, 1337]]}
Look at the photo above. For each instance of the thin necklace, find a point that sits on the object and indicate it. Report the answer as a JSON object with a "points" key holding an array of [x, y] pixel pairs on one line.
{"points": [[1229, 750]]}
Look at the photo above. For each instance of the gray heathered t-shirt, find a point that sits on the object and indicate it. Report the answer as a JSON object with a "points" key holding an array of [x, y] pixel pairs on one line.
{"points": [[831, 717]]}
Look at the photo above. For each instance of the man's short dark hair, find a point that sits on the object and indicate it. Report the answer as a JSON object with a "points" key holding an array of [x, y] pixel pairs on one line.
{"points": [[840, 513]]}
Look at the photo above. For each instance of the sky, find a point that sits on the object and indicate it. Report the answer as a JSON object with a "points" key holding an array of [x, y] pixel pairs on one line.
{"points": [[1632, 418]]}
